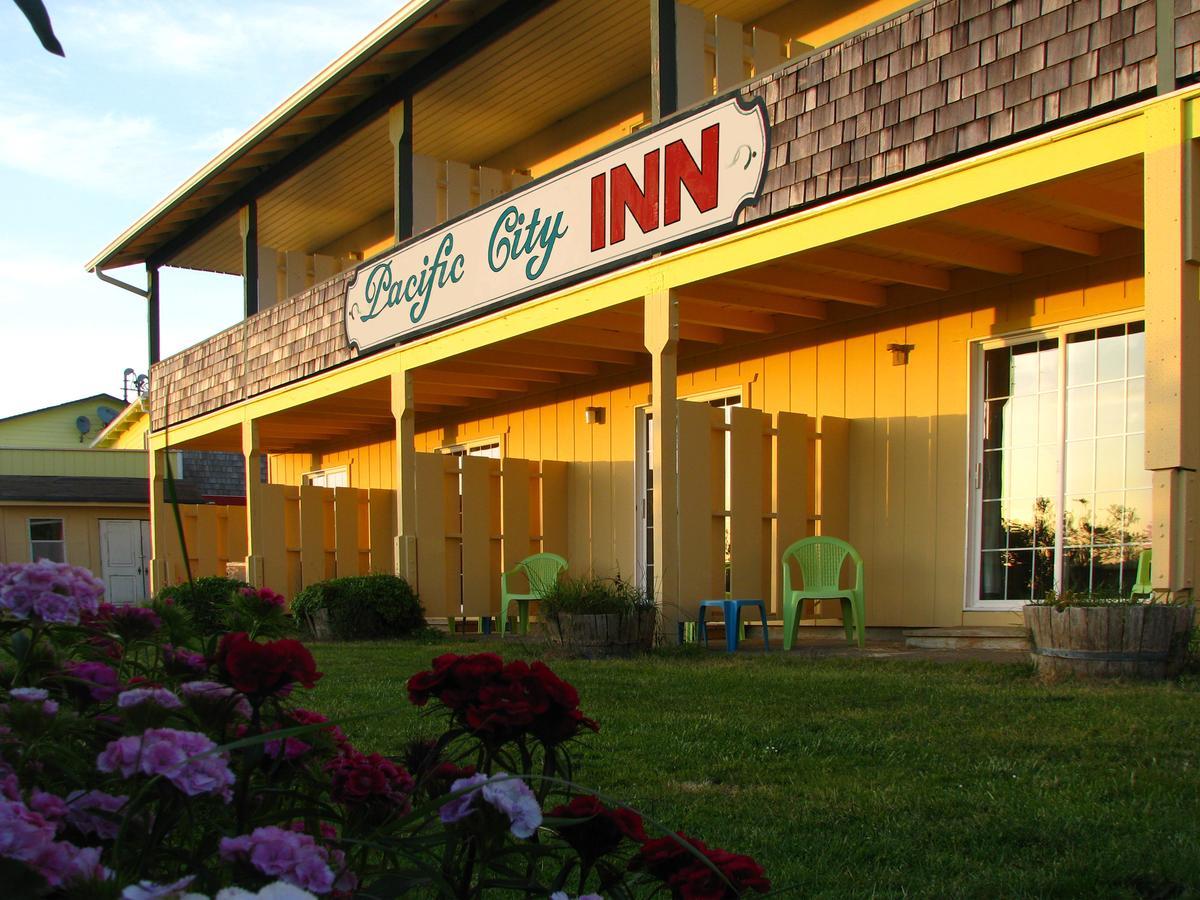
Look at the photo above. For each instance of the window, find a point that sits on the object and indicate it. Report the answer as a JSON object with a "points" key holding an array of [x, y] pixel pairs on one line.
{"points": [[1061, 498], [46, 540], [335, 477]]}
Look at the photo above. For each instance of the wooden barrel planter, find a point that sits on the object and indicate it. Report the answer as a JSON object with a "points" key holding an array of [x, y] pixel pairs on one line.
{"points": [[600, 636], [1131, 641]]}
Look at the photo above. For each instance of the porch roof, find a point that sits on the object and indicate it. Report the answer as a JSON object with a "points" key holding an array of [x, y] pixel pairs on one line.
{"points": [[410, 35]]}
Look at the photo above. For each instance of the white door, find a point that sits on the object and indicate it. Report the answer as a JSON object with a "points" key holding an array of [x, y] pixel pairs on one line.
{"points": [[124, 547]]}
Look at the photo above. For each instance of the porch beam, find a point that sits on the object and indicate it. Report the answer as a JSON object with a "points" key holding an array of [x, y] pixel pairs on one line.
{"points": [[523, 357], [706, 312], [882, 267], [467, 379], [789, 280], [1027, 228], [248, 227], [469, 367], [159, 533], [762, 301], [945, 248], [580, 342], [632, 322], [598, 338], [662, 341], [443, 399], [400, 133], [459, 390], [404, 408], [664, 96], [1172, 290], [1095, 202]]}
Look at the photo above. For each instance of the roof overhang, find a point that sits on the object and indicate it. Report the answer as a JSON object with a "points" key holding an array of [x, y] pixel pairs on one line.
{"points": [[397, 46]]}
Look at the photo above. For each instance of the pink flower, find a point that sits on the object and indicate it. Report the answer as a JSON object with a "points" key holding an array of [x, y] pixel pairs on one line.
{"points": [[184, 758], [291, 856], [508, 794], [212, 693], [49, 806], [95, 812], [27, 837], [158, 696], [97, 681], [49, 591]]}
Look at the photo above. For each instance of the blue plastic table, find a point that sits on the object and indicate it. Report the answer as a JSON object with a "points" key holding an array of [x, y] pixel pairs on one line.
{"points": [[733, 619]]}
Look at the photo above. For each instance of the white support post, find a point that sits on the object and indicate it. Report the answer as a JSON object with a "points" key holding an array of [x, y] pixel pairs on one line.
{"points": [[252, 457], [662, 340], [404, 412]]}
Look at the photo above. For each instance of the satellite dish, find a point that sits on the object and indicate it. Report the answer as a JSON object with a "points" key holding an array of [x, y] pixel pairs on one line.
{"points": [[106, 414], [84, 425]]}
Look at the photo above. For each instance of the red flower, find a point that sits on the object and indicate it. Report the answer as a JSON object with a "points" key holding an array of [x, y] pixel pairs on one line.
{"points": [[600, 829], [359, 778], [502, 702], [690, 879], [260, 669]]}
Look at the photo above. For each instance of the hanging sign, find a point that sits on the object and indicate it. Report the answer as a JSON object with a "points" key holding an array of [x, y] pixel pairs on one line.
{"points": [[661, 188]]}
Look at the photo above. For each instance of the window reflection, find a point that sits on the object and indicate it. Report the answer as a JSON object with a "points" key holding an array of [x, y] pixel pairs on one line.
{"points": [[1106, 512]]}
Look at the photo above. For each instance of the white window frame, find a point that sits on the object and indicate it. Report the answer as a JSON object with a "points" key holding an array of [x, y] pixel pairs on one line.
{"points": [[976, 348], [62, 522], [466, 448], [308, 477]]}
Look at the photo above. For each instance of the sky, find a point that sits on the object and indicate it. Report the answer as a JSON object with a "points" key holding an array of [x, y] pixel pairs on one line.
{"points": [[147, 94]]}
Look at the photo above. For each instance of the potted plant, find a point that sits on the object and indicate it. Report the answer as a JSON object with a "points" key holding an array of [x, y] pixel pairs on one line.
{"points": [[1108, 637], [598, 617]]}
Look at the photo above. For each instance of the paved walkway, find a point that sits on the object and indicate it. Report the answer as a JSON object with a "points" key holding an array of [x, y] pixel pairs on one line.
{"points": [[821, 648]]}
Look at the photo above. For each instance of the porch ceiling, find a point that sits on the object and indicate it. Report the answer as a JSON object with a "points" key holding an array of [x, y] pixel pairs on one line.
{"points": [[918, 260]]}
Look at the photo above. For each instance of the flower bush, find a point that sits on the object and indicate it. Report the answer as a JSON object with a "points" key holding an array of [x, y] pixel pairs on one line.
{"points": [[142, 758]]}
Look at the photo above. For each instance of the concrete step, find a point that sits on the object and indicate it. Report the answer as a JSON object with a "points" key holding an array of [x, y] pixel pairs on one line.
{"points": [[999, 637]]}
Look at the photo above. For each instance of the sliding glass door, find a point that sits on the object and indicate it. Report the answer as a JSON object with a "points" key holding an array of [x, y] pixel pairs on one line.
{"points": [[1059, 495]]}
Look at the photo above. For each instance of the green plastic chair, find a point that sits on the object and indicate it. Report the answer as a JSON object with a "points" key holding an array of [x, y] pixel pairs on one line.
{"points": [[542, 571], [820, 560], [1141, 581]]}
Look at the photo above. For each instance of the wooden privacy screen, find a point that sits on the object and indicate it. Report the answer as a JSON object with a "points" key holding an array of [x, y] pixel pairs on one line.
{"points": [[478, 516], [311, 534], [783, 480]]}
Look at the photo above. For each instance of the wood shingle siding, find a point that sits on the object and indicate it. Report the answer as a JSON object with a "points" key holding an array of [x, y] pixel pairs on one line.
{"points": [[947, 78]]}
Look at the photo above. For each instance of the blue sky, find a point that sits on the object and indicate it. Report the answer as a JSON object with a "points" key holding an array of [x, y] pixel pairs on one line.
{"points": [[148, 92]]}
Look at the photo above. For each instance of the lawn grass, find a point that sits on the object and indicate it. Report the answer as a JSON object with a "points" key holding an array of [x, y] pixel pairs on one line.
{"points": [[864, 777]]}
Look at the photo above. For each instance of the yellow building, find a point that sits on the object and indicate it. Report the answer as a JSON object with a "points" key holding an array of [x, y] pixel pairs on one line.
{"points": [[61, 499], [665, 287]]}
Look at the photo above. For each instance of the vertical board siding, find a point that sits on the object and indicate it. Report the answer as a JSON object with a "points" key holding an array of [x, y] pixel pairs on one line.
{"points": [[477, 531], [701, 494], [382, 531]]}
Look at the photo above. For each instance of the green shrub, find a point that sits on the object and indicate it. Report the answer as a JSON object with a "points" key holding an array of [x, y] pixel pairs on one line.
{"points": [[205, 600], [592, 595], [361, 607]]}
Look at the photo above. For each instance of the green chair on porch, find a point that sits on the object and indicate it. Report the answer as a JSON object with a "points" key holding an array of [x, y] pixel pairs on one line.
{"points": [[820, 560], [1141, 582], [541, 571]]}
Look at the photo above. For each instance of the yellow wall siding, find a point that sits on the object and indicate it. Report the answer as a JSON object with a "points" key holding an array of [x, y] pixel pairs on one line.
{"points": [[81, 530], [104, 463], [54, 427], [907, 434]]}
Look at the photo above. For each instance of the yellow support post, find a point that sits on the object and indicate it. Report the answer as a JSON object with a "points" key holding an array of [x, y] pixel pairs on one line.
{"points": [[252, 456], [158, 527], [662, 340], [1172, 333], [404, 412]]}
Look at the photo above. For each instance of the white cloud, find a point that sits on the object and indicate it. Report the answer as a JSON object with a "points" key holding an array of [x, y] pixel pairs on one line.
{"points": [[203, 37]]}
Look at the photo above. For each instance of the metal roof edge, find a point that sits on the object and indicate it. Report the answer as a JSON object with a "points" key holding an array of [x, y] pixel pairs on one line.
{"points": [[403, 19]]}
